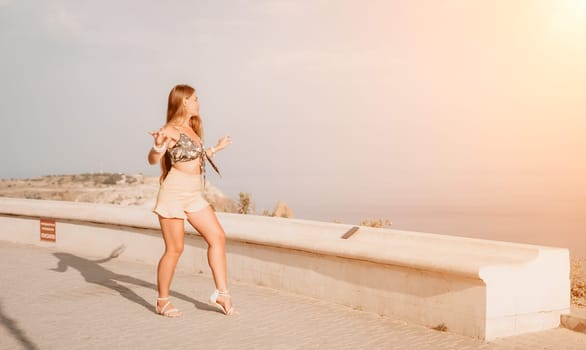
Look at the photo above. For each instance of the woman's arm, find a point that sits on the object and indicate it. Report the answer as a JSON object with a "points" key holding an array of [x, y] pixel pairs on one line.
{"points": [[154, 156], [160, 140], [222, 143]]}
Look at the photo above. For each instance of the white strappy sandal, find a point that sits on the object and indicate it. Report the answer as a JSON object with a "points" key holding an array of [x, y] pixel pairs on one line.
{"points": [[214, 302], [167, 313]]}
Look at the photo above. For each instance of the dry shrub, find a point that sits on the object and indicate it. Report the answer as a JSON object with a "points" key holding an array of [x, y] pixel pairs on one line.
{"points": [[244, 203], [112, 179], [578, 278], [131, 179], [375, 223]]}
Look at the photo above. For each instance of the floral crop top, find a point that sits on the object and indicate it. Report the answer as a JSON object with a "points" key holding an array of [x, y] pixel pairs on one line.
{"points": [[185, 149]]}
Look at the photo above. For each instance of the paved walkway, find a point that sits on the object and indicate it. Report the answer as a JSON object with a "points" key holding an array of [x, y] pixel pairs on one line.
{"points": [[58, 300]]}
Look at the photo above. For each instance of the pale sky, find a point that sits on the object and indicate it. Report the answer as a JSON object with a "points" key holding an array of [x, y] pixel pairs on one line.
{"points": [[343, 109]]}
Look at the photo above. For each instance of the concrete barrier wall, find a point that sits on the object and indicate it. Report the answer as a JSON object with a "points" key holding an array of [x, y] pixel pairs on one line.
{"points": [[483, 289]]}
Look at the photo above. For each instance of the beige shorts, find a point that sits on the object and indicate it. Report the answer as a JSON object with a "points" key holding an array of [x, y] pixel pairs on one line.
{"points": [[179, 193]]}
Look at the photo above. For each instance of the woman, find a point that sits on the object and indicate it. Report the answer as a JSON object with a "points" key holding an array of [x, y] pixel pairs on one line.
{"points": [[178, 146]]}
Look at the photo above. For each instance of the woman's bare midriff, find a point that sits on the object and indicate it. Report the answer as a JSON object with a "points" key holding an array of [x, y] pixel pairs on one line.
{"points": [[190, 167]]}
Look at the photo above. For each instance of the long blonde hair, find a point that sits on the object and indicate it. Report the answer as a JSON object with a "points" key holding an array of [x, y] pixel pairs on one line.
{"points": [[175, 112]]}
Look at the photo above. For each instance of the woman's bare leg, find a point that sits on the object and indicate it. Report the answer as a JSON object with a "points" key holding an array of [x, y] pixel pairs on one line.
{"points": [[173, 235], [206, 222]]}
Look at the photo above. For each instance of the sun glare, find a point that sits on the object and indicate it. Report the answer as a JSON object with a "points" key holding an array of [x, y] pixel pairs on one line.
{"points": [[568, 21]]}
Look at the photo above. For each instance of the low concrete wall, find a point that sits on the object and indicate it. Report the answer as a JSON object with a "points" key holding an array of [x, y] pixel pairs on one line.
{"points": [[483, 289]]}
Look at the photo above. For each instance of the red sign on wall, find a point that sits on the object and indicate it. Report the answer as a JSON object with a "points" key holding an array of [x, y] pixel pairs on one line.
{"points": [[48, 230]]}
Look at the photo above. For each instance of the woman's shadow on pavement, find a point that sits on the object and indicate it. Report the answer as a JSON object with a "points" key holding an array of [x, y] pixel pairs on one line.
{"points": [[94, 273]]}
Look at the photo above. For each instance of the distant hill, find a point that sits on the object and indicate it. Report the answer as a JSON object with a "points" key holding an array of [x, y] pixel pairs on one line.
{"points": [[111, 188]]}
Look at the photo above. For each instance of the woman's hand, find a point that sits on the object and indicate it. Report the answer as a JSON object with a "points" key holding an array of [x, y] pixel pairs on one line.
{"points": [[160, 137], [223, 142]]}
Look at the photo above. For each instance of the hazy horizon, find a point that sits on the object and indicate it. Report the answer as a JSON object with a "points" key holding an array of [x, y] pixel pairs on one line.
{"points": [[340, 109]]}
